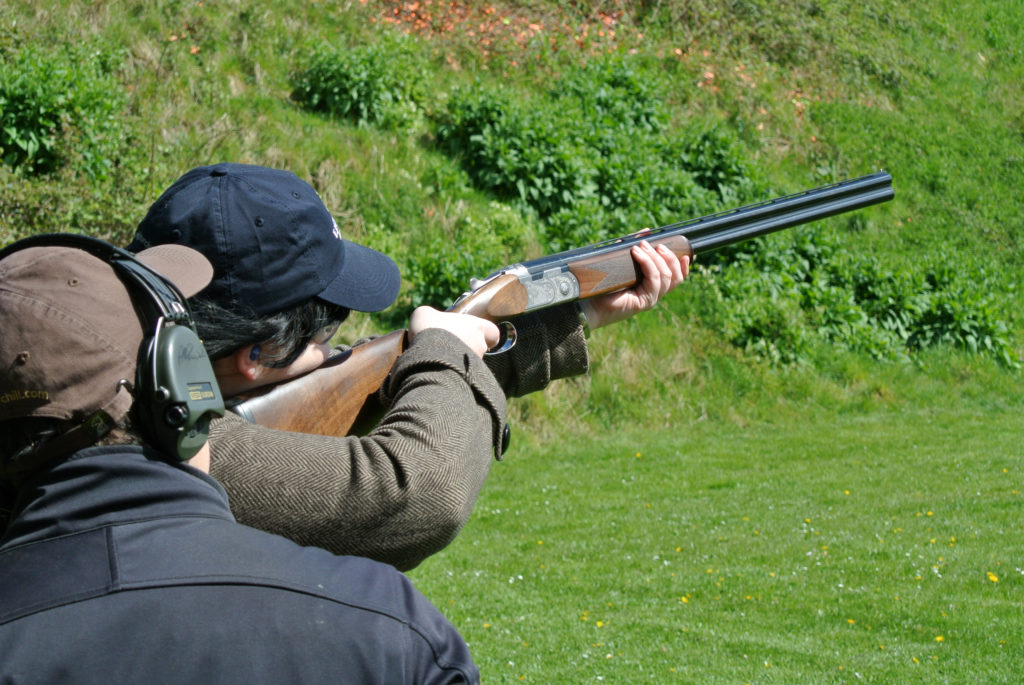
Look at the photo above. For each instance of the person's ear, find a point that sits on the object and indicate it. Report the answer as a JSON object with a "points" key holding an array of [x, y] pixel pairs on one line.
{"points": [[247, 361]]}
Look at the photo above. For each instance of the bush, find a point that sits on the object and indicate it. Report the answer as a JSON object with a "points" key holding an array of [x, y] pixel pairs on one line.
{"points": [[379, 84], [774, 299], [614, 93], [439, 269], [591, 157], [61, 107], [515, 151]]}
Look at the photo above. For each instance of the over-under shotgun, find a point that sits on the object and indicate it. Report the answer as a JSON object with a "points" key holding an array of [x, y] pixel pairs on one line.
{"points": [[340, 395]]}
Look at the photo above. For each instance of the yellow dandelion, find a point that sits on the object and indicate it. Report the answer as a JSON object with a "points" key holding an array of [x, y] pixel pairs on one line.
{"points": [[850, 621], [600, 624], [940, 638], [993, 577]]}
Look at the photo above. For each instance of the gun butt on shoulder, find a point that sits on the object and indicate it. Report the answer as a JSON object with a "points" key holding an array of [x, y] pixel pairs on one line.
{"points": [[339, 398]]}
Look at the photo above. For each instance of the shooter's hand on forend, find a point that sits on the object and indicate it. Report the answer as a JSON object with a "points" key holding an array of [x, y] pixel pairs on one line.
{"points": [[662, 271]]}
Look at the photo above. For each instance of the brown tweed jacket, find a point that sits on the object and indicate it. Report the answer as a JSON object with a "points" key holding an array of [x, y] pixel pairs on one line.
{"points": [[402, 492]]}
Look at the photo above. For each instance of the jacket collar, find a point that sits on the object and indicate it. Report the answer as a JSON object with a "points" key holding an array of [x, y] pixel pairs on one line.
{"points": [[102, 486]]}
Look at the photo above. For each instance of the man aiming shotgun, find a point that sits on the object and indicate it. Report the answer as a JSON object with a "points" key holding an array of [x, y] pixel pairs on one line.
{"points": [[283, 281], [402, 491], [350, 380]]}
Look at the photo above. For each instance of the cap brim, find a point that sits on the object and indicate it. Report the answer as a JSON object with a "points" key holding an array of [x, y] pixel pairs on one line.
{"points": [[186, 268], [368, 282]]}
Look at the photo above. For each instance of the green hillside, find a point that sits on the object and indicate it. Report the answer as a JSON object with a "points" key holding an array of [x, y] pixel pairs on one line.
{"points": [[877, 352]]}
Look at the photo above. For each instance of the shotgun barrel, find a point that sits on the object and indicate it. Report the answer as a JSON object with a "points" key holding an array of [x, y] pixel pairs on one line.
{"points": [[604, 267], [736, 225]]}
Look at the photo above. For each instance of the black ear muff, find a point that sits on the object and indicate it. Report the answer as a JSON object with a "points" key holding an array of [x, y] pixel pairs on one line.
{"points": [[176, 392]]}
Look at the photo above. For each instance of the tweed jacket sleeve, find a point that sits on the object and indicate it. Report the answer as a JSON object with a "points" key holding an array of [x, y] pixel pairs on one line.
{"points": [[405, 490], [550, 345]]}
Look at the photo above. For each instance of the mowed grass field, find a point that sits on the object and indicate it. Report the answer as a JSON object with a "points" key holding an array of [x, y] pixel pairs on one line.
{"points": [[864, 546]]}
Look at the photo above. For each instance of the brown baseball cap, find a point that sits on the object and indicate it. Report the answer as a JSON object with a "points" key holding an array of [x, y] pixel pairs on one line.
{"points": [[69, 332]]}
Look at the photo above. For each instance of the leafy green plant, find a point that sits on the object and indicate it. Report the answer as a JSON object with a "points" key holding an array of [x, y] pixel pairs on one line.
{"points": [[381, 83], [613, 92], [441, 266], [61, 106], [773, 300], [592, 157], [962, 314], [515, 151]]}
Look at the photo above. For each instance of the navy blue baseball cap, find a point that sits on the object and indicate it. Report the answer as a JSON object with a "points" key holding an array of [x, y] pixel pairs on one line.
{"points": [[271, 240]]}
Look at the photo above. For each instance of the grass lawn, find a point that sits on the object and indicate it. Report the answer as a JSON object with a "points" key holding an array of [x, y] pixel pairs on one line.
{"points": [[883, 546]]}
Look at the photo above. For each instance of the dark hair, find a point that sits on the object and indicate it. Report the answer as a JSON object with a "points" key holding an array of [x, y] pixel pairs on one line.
{"points": [[225, 330]]}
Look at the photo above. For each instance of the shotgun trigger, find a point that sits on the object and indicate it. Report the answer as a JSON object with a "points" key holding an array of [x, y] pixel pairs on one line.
{"points": [[506, 338]]}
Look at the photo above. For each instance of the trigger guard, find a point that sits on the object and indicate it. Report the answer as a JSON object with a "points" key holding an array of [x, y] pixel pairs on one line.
{"points": [[506, 338]]}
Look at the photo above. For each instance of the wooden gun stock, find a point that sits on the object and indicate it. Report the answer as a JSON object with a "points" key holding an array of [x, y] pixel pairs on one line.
{"points": [[337, 399], [340, 397]]}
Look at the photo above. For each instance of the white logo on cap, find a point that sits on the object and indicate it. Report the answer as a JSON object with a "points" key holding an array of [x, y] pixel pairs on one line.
{"points": [[337, 233]]}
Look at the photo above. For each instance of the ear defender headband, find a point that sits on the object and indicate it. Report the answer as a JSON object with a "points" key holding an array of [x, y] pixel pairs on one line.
{"points": [[176, 392]]}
